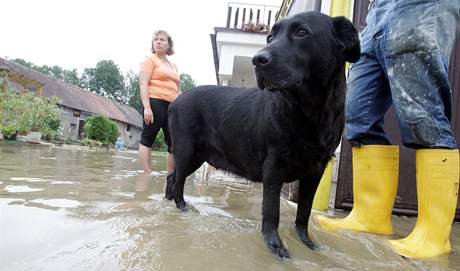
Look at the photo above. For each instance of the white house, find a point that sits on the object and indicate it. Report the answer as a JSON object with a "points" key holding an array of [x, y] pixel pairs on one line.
{"points": [[235, 44]]}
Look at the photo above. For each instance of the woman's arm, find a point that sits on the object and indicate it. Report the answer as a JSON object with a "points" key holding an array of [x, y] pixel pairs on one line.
{"points": [[144, 78], [178, 82]]}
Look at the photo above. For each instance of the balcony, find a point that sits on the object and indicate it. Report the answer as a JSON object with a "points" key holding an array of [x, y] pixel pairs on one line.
{"points": [[234, 45]]}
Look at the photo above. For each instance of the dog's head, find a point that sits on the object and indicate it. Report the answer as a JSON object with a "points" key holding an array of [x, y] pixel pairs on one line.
{"points": [[306, 47]]}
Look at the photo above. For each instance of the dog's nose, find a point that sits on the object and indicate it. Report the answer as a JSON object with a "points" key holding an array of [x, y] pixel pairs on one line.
{"points": [[261, 58]]}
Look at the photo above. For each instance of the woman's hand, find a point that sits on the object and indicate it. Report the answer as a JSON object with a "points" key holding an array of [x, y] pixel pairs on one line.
{"points": [[148, 115]]}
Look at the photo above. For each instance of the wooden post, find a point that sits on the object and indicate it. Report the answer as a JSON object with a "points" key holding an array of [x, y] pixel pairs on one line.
{"points": [[236, 18], [269, 18], [229, 15]]}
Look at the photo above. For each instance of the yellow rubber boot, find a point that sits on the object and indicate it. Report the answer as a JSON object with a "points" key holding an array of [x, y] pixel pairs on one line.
{"points": [[437, 173], [375, 182]]}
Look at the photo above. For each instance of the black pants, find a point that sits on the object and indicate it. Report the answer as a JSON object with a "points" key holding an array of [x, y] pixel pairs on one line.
{"points": [[160, 120]]}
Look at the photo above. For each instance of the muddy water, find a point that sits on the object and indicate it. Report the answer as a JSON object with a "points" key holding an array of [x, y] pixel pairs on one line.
{"points": [[69, 209]]}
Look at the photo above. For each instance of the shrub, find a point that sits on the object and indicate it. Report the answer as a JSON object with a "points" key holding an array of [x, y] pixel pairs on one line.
{"points": [[90, 142], [102, 129], [41, 114], [160, 144], [12, 107], [8, 130], [29, 112]]}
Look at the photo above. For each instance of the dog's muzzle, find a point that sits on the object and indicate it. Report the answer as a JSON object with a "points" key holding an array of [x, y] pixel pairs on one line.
{"points": [[261, 58], [271, 74], [261, 61]]}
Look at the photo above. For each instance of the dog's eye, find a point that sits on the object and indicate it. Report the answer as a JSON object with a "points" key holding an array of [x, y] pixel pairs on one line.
{"points": [[300, 33], [269, 38]]}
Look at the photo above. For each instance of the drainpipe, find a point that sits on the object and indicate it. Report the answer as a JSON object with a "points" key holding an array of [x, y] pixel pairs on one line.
{"points": [[316, 5], [341, 8]]}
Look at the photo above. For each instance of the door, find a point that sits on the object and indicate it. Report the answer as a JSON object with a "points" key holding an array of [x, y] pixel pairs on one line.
{"points": [[81, 130], [406, 200]]}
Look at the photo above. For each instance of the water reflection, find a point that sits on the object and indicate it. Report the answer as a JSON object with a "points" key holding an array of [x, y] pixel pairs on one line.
{"points": [[70, 209]]}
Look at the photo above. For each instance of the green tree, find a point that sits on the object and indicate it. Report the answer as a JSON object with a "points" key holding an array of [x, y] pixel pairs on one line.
{"points": [[71, 77], [105, 80], [24, 63], [55, 71], [186, 82], [132, 90]]}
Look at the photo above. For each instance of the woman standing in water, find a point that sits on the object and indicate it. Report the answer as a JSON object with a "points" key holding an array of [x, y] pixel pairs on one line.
{"points": [[159, 86]]}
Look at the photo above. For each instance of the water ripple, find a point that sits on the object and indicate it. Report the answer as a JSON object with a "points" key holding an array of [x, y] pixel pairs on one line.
{"points": [[21, 189]]}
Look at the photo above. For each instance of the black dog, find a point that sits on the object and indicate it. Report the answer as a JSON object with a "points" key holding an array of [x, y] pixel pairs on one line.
{"points": [[286, 130]]}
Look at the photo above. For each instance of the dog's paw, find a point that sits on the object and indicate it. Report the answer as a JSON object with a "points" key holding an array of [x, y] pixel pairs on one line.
{"points": [[274, 243], [168, 196], [183, 206], [310, 244], [279, 251], [303, 235]]}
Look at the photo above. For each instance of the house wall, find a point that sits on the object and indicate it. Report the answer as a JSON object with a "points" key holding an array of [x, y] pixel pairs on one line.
{"points": [[130, 138], [70, 125], [242, 45]]}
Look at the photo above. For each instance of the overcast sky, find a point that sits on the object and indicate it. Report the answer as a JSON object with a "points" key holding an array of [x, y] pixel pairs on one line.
{"points": [[78, 34]]}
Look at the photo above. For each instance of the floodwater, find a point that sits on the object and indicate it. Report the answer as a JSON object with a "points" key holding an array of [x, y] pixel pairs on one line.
{"points": [[70, 209]]}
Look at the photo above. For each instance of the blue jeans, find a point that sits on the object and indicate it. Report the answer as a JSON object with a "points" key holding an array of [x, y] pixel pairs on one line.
{"points": [[405, 51]]}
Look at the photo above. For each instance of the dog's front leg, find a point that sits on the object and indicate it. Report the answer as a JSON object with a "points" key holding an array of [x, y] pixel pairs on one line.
{"points": [[169, 184], [271, 217], [307, 190]]}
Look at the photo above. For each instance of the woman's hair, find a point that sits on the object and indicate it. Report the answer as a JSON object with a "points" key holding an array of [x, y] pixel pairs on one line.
{"points": [[170, 41]]}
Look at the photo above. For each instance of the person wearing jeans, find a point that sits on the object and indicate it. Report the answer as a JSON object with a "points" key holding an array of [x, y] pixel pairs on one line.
{"points": [[405, 51]]}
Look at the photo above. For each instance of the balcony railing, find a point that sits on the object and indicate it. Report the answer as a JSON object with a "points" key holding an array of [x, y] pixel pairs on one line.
{"points": [[249, 17]]}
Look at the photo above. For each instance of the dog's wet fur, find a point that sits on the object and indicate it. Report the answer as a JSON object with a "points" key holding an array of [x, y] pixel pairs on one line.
{"points": [[287, 129]]}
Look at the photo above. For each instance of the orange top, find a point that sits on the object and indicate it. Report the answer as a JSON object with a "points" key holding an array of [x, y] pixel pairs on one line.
{"points": [[164, 80]]}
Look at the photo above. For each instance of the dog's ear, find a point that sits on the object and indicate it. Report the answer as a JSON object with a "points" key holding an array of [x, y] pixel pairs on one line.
{"points": [[348, 38]]}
